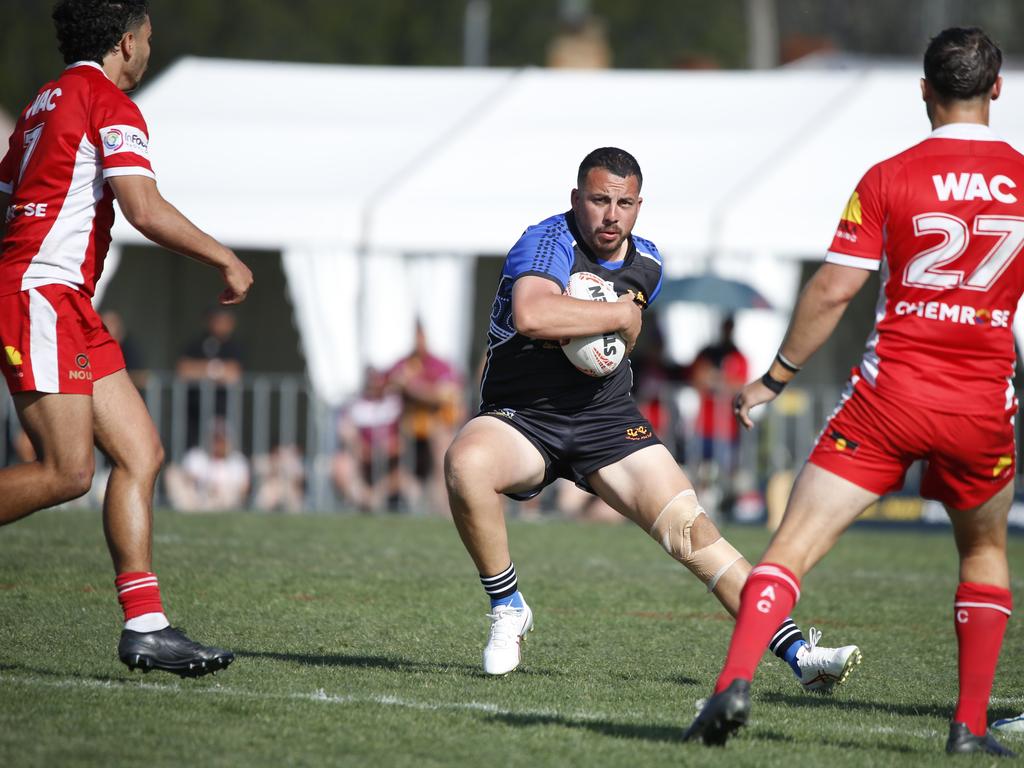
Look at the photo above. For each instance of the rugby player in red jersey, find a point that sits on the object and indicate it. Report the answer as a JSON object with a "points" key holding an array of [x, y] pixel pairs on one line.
{"points": [[943, 222], [80, 143]]}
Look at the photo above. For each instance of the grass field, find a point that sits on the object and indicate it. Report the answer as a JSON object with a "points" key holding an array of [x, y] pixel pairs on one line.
{"points": [[358, 643]]}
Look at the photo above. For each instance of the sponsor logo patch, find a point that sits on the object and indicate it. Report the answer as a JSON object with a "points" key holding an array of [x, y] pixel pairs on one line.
{"points": [[508, 413], [1002, 466], [962, 314], [843, 444], [124, 138], [639, 432], [12, 355], [851, 219], [852, 212], [113, 140], [82, 361]]}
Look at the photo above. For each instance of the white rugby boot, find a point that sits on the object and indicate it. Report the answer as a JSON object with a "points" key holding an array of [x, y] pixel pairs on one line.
{"points": [[822, 669], [1009, 724], [504, 645]]}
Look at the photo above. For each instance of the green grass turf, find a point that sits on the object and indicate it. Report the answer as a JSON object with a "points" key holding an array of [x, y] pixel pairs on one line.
{"points": [[359, 639]]}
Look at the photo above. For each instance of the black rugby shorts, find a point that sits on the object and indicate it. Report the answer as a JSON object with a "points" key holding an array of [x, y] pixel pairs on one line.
{"points": [[576, 443]]}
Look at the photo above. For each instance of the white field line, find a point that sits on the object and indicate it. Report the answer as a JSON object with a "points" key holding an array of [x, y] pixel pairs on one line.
{"points": [[1007, 701], [320, 696]]}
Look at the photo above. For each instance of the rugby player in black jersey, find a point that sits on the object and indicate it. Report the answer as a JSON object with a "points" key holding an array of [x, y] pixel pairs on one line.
{"points": [[541, 418]]}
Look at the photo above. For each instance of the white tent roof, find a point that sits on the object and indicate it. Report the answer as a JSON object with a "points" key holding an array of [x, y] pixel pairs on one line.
{"points": [[268, 154], [6, 125], [462, 160], [352, 170], [699, 136], [795, 202]]}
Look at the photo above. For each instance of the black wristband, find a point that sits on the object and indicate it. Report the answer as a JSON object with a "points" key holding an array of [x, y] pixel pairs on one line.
{"points": [[791, 367], [772, 383]]}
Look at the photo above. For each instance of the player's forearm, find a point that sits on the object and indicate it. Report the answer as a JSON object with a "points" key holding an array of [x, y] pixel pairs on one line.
{"points": [[556, 317], [818, 311], [166, 226]]}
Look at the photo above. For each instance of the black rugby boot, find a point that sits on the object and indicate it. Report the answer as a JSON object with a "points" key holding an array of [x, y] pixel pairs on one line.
{"points": [[962, 741], [171, 650], [722, 715]]}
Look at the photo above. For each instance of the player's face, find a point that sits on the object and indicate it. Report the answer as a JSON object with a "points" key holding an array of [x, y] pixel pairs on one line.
{"points": [[606, 207], [135, 67]]}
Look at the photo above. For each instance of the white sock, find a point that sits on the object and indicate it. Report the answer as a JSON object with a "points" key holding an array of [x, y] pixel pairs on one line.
{"points": [[147, 622]]}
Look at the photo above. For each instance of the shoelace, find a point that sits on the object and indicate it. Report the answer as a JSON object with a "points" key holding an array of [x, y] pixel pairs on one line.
{"points": [[814, 635], [504, 625]]}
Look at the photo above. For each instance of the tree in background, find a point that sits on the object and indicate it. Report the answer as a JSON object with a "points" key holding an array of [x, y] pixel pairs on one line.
{"points": [[656, 34]]}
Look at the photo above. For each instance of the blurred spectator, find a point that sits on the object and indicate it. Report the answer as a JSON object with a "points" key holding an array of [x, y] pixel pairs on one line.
{"points": [[208, 479], [431, 391], [280, 480], [575, 503], [718, 373], [367, 468], [213, 359], [581, 44], [654, 385], [133, 362]]}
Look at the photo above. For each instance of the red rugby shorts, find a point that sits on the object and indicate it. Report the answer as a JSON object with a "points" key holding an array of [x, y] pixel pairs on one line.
{"points": [[872, 441], [53, 341]]}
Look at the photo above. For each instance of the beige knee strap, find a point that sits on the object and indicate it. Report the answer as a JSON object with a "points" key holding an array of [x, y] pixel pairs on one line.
{"points": [[672, 530]]}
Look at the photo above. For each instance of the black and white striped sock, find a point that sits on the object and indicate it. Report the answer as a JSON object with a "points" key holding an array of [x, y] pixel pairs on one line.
{"points": [[502, 585], [785, 637]]}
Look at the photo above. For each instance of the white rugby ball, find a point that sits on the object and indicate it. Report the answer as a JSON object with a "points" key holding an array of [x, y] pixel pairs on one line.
{"points": [[594, 355]]}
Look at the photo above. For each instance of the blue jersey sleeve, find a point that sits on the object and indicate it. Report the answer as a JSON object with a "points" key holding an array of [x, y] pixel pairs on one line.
{"points": [[544, 250], [645, 249]]}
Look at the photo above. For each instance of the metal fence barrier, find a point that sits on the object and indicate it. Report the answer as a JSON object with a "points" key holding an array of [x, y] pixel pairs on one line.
{"points": [[268, 416]]}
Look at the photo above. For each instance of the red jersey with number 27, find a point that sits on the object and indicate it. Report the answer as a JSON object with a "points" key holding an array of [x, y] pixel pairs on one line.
{"points": [[944, 223], [79, 131]]}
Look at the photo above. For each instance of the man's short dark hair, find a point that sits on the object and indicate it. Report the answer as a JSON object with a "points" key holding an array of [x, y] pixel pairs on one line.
{"points": [[87, 30], [962, 63], [613, 159]]}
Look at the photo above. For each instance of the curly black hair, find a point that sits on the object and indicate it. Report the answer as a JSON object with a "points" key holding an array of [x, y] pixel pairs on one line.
{"points": [[87, 30], [613, 159], [962, 63]]}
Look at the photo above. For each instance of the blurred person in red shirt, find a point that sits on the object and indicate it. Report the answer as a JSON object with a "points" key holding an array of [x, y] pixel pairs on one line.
{"points": [[718, 373], [432, 409]]}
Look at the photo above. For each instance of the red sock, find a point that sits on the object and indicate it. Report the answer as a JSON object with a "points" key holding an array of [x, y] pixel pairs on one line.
{"points": [[767, 598], [980, 614], [138, 593]]}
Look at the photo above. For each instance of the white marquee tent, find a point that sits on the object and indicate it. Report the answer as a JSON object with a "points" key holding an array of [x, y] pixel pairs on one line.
{"points": [[6, 125], [381, 185]]}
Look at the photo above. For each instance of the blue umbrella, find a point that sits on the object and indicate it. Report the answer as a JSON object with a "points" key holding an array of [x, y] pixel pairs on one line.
{"points": [[714, 291]]}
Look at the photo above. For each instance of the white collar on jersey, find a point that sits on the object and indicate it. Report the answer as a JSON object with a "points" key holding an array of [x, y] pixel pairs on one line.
{"points": [[87, 64], [967, 131]]}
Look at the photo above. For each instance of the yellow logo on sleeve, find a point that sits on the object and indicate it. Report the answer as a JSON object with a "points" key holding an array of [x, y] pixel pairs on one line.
{"points": [[13, 355], [852, 211]]}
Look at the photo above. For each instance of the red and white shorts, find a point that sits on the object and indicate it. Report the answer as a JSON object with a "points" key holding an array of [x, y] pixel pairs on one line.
{"points": [[53, 341], [872, 441]]}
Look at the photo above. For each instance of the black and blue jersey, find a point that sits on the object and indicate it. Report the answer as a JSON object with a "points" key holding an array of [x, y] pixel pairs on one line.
{"points": [[523, 372]]}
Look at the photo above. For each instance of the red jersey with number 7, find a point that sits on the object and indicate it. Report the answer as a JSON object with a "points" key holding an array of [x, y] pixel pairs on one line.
{"points": [[943, 222], [78, 131]]}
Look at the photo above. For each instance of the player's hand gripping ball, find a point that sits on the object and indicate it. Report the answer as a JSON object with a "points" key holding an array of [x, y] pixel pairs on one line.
{"points": [[594, 355]]}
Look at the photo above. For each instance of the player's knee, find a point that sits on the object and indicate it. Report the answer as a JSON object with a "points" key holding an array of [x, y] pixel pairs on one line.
{"points": [[466, 465], [73, 478], [154, 457], [143, 458], [673, 529]]}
